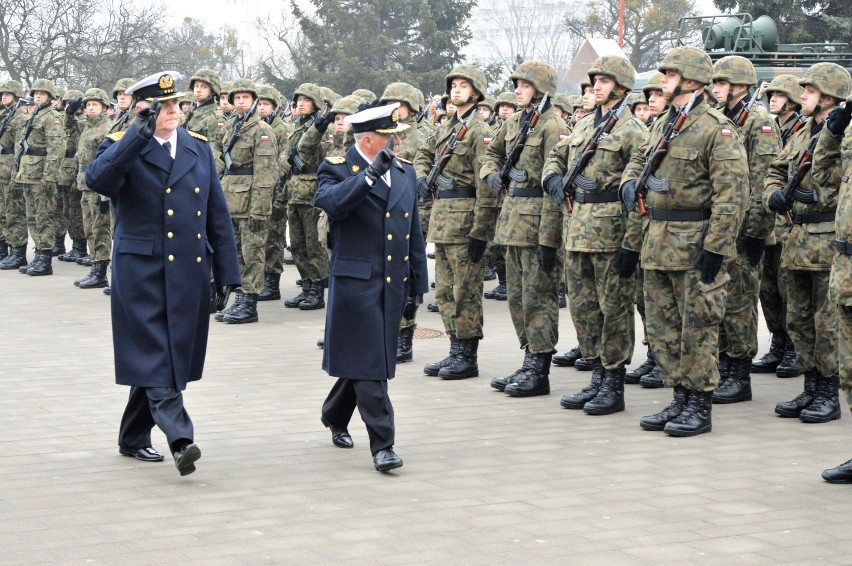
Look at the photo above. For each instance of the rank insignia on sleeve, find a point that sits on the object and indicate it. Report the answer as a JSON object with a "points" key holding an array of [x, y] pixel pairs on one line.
{"points": [[726, 132], [355, 168], [336, 160]]}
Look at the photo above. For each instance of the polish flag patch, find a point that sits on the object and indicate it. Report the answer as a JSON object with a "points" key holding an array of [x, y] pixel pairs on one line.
{"points": [[57, 123], [487, 141], [563, 137], [220, 125], [766, 129], [726, 132], [264, 138]]}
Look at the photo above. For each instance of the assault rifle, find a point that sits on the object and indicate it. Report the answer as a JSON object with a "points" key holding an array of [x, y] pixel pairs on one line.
{"points": [[235, 134], [800, 121], [798, 173], [444, 157], [425, 112], [588, 151], [520, 142], [745, 109], [192, 108], [25, 145], [658, 152], [7, 119]]}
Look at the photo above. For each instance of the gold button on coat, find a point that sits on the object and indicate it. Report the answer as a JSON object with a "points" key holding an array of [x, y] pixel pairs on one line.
{"points": [[390, 236], [389, 258], [171, 257], [197, 190], [387, 214], [170, 235], [198, 236], [199, 213], [405, 279], [407, 236], [168, 190], [388, 279], [405, 258], [198, 260], [405, 215], [170, 212]]}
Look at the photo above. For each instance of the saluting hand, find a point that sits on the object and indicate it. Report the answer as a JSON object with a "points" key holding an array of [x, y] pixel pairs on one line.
{"points": [[380, 165], [146, 120]]}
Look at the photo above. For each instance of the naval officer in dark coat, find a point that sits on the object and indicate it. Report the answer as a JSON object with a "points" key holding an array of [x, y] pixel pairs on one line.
{"points": [[172, 228], [378, 260]]}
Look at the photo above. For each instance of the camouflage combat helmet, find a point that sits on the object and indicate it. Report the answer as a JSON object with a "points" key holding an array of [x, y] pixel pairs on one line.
{"points": [[347, 105], [71, 94], [635, 98], [208, 76], [506, 98], [44, 85], [539, 74], [488, 102], [654, 83], [788, 85], [242, 85], [367, 96], [564, 102], [98, 94], [13, 87], [270, 93], [121, 85], [830, 79], [472, 74], [60, 93], [403, 92], [309, 90], [693, 64], [576, 100], [734, 69], [617, 68], [584, 84], [227, 86]]}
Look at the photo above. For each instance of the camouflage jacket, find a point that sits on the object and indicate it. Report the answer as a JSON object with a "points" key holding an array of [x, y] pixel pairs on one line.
{"points": [[808, 247], [597, 227], [9, 142], [832, 149], [250, 196], [123, 120], [705, 168], [412, 139], [780, 231], [335, 146], [47, 136], [208, 122], [455, 220], [94, 131], [527, 221], [300, 187], [68, 169]]}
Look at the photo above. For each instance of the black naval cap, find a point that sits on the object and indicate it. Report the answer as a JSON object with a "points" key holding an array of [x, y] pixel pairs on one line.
{"points": [[379, 119], [159, 86]]}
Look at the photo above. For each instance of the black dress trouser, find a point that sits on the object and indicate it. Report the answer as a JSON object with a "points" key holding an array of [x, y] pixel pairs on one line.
{"points": [[149, 406], [371, 398]]}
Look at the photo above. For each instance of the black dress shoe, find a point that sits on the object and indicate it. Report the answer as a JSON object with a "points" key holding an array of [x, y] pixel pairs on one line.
{"points": [[839, 474], [385, 460], [146, 454], [186, 458], [339, 436]]}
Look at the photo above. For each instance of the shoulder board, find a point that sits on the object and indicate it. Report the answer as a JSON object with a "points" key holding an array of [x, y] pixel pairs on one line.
{"points": [[116, 136], [339, 160], [197, 136], [404, 160]]}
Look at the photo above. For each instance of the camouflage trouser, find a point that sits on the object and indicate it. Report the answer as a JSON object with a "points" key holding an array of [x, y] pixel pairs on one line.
{"points": [[97, 227], [532, 300], [601, 305], [773, 290], [15, 232], [683, 316], [458, 290], [71, 220], [497, 254], [40, 199], [812, 321], [275, 238], [640, 302], [738, 333], [844, 350], [250, 234], [310, 255], [425, 210]]}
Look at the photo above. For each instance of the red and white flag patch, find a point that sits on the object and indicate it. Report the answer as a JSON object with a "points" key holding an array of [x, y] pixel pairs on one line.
{"points": [[220, 125], [57, 123], [766, 129], [264, 138], [563, 137], [726, 132], [487, 141]]}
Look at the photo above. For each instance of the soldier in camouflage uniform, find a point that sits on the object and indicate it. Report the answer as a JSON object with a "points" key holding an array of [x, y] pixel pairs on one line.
{"points": [[38, 172], [486, 110], [563, 106], [226, 109], [809, 250], [691, 227], [96, 214], [599, 273], [785, 94], [204, 117], [249, 185], [530, 226], [13, 218], [462, 222], [126, 107], [639, 107], [732, 78], [69, 217]]}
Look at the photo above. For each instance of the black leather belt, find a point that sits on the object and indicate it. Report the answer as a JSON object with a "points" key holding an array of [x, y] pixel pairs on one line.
{"points": [[69, 153], [582, 196], [814, 217], [7, 151], [241, 171], [456, 193], [515, 192], [842, 247], [37, 152], [679, 215]]}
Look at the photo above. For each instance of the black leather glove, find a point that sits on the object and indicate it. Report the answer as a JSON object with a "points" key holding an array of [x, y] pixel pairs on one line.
{"points": [[547, 258], [625, 262], [411, 304], [380, 165], [778, 203], [753, 249], [146, 120], [222, 295], [628, 195], [103, 206], [73, 106], [494, 182], [553, 186], [709, 263], [422, 188], [321, 122], [838, 119], [475, 249]]}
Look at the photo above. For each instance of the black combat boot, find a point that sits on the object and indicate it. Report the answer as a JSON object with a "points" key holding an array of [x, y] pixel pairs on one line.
{"points": [[568, 358], [97, 276], [826, 404], [695, 417], [247, 311], [770, 360], [560, 296], [87, 276], [610, 397], [584, 364], [534, 380], [789, 366], [724, 365], [85, 261], [404, 346], [464, 365], [737, 388], [235, 306], [500, 383], [42, 265], [658, 421], [297, 300], [633, 376], [488, 271], [839, 474], [16, 258], [792, 409], [4, 250], [653, 379], [433, 307], [315, 298], [78, 250], [578, 400], [58, 247], [435, 368], [498, 292], [271, 290]]}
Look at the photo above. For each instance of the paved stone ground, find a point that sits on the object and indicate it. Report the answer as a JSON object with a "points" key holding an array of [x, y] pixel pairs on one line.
{"points": [[487, 479]]}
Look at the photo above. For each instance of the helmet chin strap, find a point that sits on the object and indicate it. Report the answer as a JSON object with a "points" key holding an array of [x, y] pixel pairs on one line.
{"points": [[679, 90]]}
